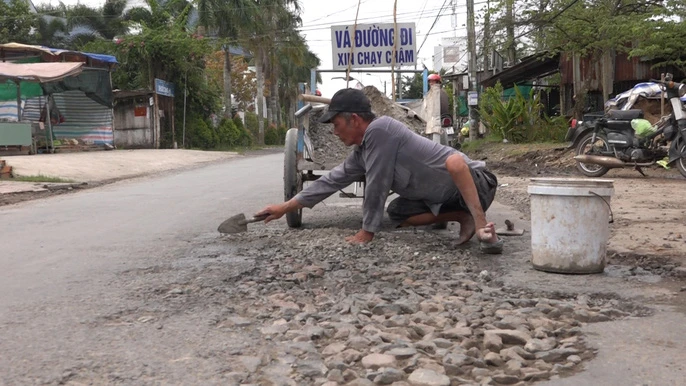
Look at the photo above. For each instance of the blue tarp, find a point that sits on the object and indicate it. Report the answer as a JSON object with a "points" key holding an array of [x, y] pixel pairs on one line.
{"points": [[101, 57]]}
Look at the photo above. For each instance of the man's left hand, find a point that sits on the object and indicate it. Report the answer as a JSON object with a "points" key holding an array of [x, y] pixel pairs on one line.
{"points": [[360, 237]]}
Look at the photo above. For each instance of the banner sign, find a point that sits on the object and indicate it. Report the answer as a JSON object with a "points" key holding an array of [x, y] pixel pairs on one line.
{"points": [[164, 88], [372, 45]]}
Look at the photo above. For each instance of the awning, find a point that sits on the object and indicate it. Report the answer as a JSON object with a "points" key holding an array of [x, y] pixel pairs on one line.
{"points": [[530, 68], [39, 72], [53, 52]]}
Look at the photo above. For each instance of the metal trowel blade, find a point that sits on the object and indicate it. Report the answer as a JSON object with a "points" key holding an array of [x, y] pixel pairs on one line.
{"points": [[234, 224], [509, 232]]}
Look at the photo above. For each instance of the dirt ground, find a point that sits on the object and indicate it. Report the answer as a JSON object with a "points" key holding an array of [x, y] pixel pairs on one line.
{"points": [[649, 212]]}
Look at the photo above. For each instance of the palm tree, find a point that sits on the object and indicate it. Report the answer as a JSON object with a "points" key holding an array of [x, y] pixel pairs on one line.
{"points": [[227, 20], [51, 26], [275, 18], [160, 14], [294, 69], [106, 22]]}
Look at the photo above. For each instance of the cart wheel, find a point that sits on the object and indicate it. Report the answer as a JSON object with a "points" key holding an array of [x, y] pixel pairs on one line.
{"points": [[292, 178]]}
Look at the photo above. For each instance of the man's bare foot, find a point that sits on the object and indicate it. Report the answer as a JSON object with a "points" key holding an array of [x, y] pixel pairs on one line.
{"points": [[467, 231]]}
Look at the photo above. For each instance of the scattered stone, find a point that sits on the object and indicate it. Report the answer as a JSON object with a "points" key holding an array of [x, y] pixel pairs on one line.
{"points": [[536, 345], [388, 376], [250, 363], [532, 374], [350, 356], [360, 382], [480, 372], [335, 375], [425, 377], [274, 330], [359, 343], [456, 333], [556, 355], [375, 361], [505, 379], [493, 359], [513, 366], [386, 309], [511, 336], [431, 307], [443, 343], [312, 368], [238, 321], [402, 352], [574, 359], [457, 359], [333, 349], [493, 342]]}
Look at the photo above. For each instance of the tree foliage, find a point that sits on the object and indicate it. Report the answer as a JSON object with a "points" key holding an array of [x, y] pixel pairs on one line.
{"points": [[16, 21], [243, 84]]}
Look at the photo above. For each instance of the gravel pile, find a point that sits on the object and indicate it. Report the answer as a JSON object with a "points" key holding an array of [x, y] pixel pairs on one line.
{"points": [[408, 309]]}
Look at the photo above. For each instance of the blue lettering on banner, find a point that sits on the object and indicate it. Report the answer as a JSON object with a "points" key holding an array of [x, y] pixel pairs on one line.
{"points": [[164, 88], [374, 38], [372, 45]]}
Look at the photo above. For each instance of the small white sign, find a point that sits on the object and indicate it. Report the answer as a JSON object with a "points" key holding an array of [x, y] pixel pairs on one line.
{"points": [[372, 45], [473, 98]]}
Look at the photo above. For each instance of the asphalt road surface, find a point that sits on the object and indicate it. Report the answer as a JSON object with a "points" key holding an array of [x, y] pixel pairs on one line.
{"points": [[114, 285]]}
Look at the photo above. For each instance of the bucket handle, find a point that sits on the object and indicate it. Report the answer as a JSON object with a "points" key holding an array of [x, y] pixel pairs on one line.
{"points": [[612, 216]]}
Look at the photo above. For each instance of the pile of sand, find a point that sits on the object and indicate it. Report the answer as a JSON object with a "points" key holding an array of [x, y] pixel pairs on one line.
{"points": [[329, 150]]}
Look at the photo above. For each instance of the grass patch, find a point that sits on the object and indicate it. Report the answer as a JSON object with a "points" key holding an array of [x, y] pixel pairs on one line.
{"points": [[41, 178]]}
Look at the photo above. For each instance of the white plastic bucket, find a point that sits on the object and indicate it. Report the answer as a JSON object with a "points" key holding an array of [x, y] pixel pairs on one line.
{"points": [[569, 224]]}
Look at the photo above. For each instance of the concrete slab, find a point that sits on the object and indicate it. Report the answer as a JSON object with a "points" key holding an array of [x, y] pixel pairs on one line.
{"points": [[110, 165], [7, 187]]}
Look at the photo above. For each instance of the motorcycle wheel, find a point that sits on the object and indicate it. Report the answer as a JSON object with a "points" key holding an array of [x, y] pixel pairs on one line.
{"points": [[681, 163], [585, 146]]}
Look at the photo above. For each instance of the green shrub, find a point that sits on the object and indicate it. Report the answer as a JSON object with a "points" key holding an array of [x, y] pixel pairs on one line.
{"points": [[519, 119], [198, 133], [251, 123]]}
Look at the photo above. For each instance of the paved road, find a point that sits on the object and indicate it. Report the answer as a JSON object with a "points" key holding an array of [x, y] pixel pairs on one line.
{"points": [[60, 259], [77, 303]]}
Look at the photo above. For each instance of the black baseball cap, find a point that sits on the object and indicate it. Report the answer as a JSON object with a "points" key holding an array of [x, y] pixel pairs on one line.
{"points": [[347, 100]]}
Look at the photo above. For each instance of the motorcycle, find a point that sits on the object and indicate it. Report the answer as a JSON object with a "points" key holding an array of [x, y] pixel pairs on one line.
{"points": [[607, 141]]}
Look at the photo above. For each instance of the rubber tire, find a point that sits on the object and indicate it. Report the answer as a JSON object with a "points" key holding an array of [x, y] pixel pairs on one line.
{"points": [[580, 147], [681, 163], [292, 178]]}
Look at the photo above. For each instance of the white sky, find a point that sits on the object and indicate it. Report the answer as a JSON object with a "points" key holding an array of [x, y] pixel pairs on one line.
{"points": [[319, 15]]}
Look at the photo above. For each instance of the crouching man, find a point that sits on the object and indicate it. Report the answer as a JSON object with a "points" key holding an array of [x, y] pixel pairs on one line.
{"points": [[435, 183]]}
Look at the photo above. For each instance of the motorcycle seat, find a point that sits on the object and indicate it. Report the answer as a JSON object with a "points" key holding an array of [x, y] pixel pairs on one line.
{"points": [[625, 115]]}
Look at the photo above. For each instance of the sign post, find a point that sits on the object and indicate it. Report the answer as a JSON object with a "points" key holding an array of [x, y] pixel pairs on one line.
{"points": [[166, 89]]}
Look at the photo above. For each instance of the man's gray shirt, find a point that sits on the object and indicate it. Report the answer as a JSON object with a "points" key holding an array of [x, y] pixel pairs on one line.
{"points": [[392, 157]]}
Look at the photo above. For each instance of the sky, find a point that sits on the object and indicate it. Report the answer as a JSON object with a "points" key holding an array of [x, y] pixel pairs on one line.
{"points": [[433, 20]]}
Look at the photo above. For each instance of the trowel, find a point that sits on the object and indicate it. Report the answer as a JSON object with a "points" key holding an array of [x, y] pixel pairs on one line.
{"points": [[238, 223], [509, 230]]}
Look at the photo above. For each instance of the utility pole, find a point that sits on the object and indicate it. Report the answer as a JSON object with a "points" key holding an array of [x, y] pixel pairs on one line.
{"points": [[512, 48], [487, 37], [471, 47]]}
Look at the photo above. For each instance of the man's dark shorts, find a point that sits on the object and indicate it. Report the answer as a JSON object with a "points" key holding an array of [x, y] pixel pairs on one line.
{"points": [[400, 209]]}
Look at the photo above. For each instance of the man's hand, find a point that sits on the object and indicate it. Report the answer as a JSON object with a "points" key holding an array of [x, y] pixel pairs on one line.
{"points": [[360, 237], [274, 211], [487, 234], [277, 211]]}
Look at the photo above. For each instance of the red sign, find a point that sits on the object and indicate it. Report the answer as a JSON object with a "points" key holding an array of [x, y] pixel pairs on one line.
{"points": [[140, 111]]}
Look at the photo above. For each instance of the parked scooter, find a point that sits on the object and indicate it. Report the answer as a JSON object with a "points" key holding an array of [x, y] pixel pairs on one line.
{"points": [[610, 141]]}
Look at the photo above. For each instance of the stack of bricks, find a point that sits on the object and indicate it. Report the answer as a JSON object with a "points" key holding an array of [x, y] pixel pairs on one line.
{"points": [[5, 170]]}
